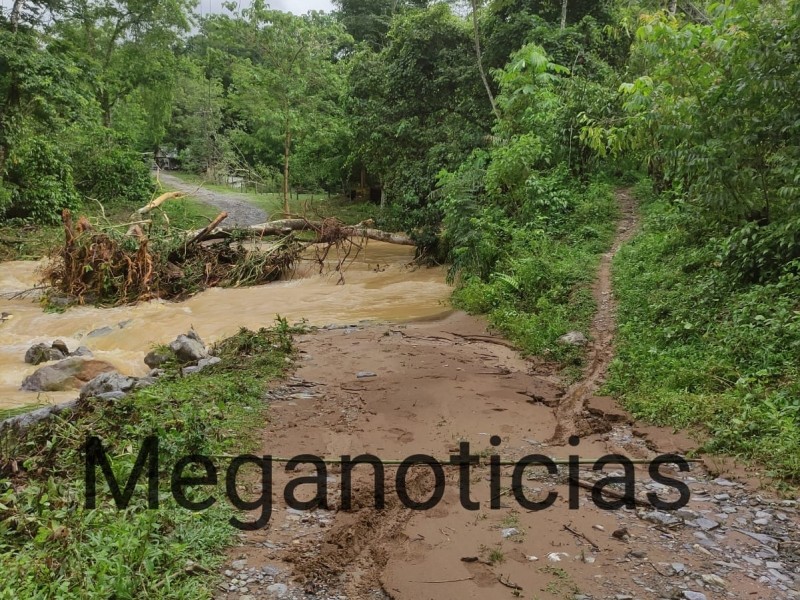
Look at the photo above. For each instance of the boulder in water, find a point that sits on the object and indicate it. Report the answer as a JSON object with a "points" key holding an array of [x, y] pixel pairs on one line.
{"points": [[188, 348], [39, 353], [68, 374]]}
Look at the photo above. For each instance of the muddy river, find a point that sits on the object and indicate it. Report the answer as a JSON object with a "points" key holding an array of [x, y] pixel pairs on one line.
{"points": [[379, 285]]}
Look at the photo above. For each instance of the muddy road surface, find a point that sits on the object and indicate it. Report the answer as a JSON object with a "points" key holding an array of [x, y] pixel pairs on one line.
{"points": [[434, 388], [425, 388]]}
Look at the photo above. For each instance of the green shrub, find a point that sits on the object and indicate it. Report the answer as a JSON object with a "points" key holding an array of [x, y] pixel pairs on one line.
{"points": [[111, 172], [39, 181]]}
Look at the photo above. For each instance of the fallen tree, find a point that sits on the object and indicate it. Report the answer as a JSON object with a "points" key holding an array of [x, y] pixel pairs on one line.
{"points": [[325, 230], [105, 266]]}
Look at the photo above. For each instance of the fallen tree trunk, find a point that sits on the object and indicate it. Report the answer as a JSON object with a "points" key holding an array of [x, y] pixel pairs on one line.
{"points": [[321, 228]]}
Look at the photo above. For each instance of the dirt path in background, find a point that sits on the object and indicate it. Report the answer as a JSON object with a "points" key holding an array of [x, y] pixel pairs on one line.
{"points": [[439, 383], [240, 212]]}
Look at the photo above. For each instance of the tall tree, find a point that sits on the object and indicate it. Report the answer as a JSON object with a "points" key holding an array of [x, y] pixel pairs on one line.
{"points": [[292, 82]]}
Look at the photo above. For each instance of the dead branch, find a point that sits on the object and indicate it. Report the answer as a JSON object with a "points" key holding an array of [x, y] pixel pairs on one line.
{"points": [[159, 201], [200, 235]]}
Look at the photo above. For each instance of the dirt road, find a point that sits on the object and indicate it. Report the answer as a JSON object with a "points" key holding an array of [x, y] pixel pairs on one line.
{"points": [[441, 383], [240, 212]]}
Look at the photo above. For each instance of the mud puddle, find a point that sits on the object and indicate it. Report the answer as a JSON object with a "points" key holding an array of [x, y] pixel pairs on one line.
{"points": [[379, 285]]}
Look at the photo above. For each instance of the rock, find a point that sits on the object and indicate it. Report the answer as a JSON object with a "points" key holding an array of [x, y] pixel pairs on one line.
{"points": [[694, 595], [239, 565], [107, 383], [68, 374], [365, 374], [706, 524], [278, 590], [714, 580], [143, 382], [188, 348], [660, 518], [573, 338], [100, 331], [156, 358], [39, 353], [110, 396], [207, 362], [724, 482], [759, 537], [82, 351], [679, 568], [638, 554], [61, 346], [191, 369]]}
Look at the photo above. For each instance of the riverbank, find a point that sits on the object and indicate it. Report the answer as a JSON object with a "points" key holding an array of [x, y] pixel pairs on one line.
{"points": [[53, 545]]}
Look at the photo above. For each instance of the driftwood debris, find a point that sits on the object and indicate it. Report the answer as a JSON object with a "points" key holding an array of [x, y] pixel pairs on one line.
{"points": [[323, 229], [203, 233]]}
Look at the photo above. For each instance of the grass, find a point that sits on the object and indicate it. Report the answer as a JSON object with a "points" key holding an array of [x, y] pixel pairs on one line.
{"points": [[539, 289], [51, 546], [696, 350], [318, 204]]}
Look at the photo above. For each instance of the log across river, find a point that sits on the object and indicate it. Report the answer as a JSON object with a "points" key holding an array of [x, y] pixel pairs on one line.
{"points": [[379, 285]]}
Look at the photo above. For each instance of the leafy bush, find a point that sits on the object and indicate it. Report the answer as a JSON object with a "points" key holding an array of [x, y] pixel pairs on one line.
{"points": [[109, 170], [39, 179]]}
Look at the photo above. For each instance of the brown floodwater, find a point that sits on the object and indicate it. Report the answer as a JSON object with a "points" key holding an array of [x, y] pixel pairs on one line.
{"points": [[379, 285]]}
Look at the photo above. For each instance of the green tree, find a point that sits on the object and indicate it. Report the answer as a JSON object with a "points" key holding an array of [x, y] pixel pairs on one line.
{"points": [[291, 87]]}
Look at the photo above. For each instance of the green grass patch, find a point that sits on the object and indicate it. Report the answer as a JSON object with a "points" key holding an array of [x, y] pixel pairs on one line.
{"points": [[52, 547], [697, 349], [539, 285]]}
